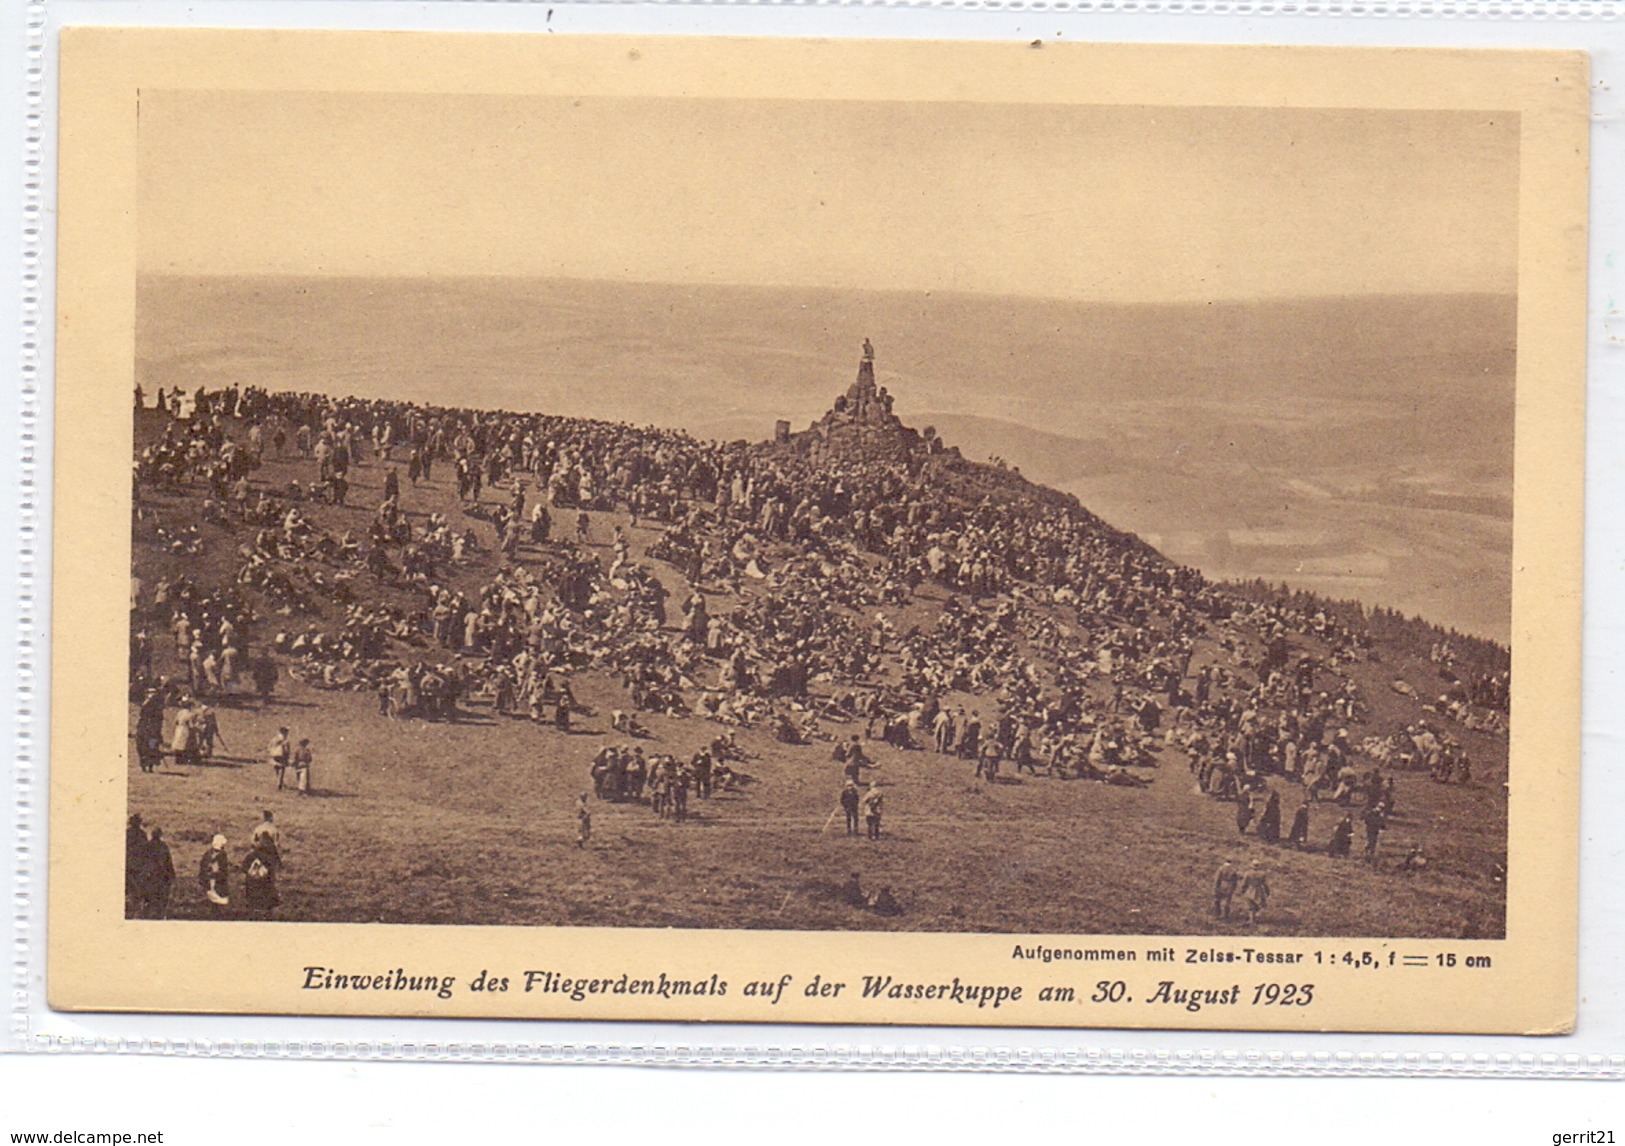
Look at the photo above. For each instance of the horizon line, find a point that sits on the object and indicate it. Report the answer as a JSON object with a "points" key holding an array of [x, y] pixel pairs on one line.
{"points": [[957, 292]]}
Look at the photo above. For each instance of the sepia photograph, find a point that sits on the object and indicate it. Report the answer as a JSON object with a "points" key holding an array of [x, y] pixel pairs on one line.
{"points": [[617, 508], [849, 515]]}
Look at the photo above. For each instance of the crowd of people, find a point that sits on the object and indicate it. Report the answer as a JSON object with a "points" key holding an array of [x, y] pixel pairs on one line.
{"points": [[245, 888], [623, 774], [1053, 646]]}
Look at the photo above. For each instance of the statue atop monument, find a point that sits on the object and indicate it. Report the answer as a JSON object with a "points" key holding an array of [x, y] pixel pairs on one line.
{"points": [[862, 392]]}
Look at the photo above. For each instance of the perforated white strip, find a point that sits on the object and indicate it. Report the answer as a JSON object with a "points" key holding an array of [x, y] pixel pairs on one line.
{"points": [[28, 914]]}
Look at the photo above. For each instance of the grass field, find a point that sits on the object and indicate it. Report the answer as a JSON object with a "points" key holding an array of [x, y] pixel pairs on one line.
{"points": [[472, 822]]}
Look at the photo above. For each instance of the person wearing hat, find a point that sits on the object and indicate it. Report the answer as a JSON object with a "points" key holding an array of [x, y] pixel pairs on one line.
{"points": [[1255, 891], [137, 855], [872, 803], [850, 801], [855, 761], [1224, 889], [214, 876], [149, 730], [583, 821], [260, 868], [1298, 836], [281, 755]]}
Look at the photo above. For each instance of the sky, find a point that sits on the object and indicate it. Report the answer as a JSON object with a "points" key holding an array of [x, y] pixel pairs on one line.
{"points": [[1127, 204]]}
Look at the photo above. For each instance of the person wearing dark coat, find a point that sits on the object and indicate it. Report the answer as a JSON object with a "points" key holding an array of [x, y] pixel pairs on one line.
{"points": [[852, 894], [137, 864], [1298, 837], [850, 800], [149, 731], [1255, 891], [1342, 837], [1244, 812], [160, 882], [1376, 819], [259, 869], [872, 802]]}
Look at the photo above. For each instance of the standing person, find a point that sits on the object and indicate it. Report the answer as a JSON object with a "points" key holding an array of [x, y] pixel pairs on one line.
{"points": [[302, 758], [1298, 837], [281, 755], [852, 894], [214, 877], [149, 731], [856, 761], [137, 864], [184, 738], [850, 800], [970, 738], [681, 778], [1342, 837], [1269, 824], [1255, 891], [268, 835], [885, 903], [636, 775], [1375, 820], [259, 877], [263, 671], [583, 821], [701, 766], [206, 728], [872, 804], [161, 876], [1244, 811], [1224, 889], [229, 656], [602, 767]]}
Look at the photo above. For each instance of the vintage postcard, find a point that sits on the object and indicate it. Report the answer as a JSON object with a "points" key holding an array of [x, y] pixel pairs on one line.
{"points": [[797, 531]]}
